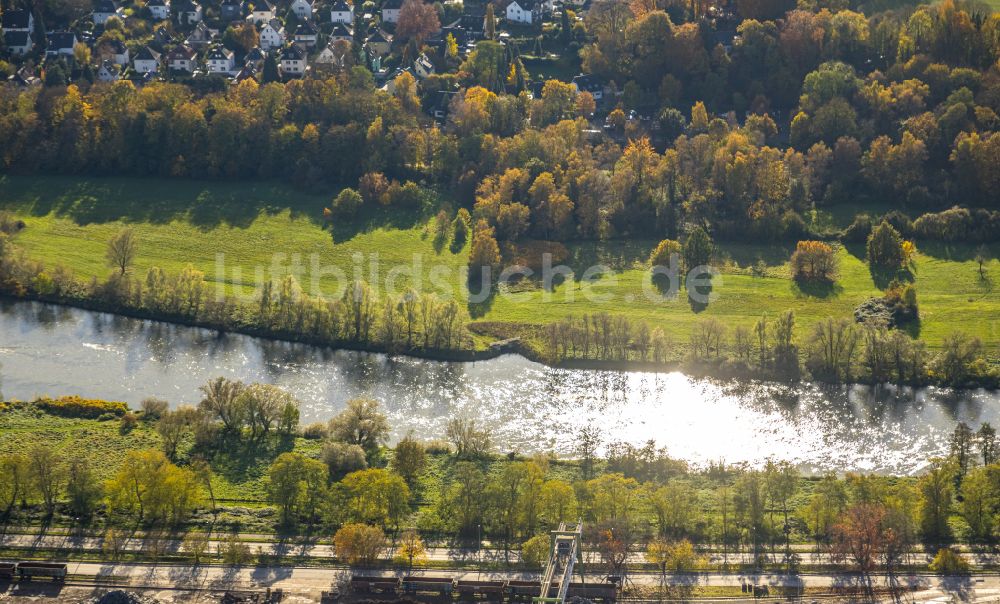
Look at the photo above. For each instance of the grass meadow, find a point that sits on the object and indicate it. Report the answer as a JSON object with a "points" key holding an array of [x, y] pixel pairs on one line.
{"points": [[260, 228]]}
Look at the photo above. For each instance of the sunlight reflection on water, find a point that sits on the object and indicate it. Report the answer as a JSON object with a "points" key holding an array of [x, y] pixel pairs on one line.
{"points": [[50, 350]]}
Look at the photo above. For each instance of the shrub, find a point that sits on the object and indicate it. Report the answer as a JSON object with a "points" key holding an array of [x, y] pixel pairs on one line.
{"points": [[859, 230], [814, 261], [75, 406], [408, 195], [949, 562], [899, 221], [438, 447], [128, 423], [153, 408], [347, 203], [342, 458], [885, 247], [959, 224], [901, 299], [373, 187], [664, 250], [315, 431]]}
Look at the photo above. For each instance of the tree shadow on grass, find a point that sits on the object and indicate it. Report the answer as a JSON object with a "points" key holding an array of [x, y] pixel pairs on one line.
{"points": [[204, 204], [744, 255], [482, 292], [241, 460], [817, 289], [369, 219], [698, 296], [911, 328], [882, 277]]}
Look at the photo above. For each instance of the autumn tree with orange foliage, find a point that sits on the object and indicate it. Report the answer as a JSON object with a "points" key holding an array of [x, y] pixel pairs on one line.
{"points": [[814, 261], [417, 21]]}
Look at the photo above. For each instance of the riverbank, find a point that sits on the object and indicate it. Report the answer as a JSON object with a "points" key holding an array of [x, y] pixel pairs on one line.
{"points": [[50, 350]]}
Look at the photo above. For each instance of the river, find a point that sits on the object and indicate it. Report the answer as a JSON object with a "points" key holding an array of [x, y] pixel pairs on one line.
{"points": [[53, 350]]}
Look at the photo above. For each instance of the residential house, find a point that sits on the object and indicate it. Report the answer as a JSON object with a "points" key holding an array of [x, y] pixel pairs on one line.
{"points": [[188, 12], [118, 51], [330, 56], [109, 71], [159, 9], [232, 10], [422, 67], [303, 9], [161, 37], [104, 10], [473, 21], [17, 20], [61, 43], [305, 34], [255, 58], [442, 104], [146, 60], [525, 12], [380, 42], [390, 11], [247, 72], [341, 32], [18, 43], [342, 12], [181, 58], [201, 36], [272, 35], [589, 83], [220, 61], [263, 12], [293, 62]]}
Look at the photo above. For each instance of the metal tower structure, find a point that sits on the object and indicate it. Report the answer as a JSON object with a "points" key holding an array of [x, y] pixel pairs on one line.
{"points": [[566, 550]]}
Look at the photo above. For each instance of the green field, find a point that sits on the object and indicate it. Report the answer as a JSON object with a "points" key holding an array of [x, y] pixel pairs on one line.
{"points": [[69, 221]]}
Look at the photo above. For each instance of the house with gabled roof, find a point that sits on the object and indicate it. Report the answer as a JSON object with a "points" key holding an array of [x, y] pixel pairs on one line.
{"points": [[303, 9], [146, 60], [181, 58], [220, 60], [422, 67], [188, 11], [109, 71], [390, 11], [255, 58], [272, 35], [247, 72], [232, 10], [158, 9], [262, 12], [342, 12], [201, 36], [104, 10], [61, 43], [118, 51], [380, 42], [305, 34], [293, 61], [18, 43], [527, 12], [341, 31]]}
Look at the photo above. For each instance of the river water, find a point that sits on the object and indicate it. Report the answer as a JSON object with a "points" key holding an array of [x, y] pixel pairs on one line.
{"points": [[52, 350]]}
